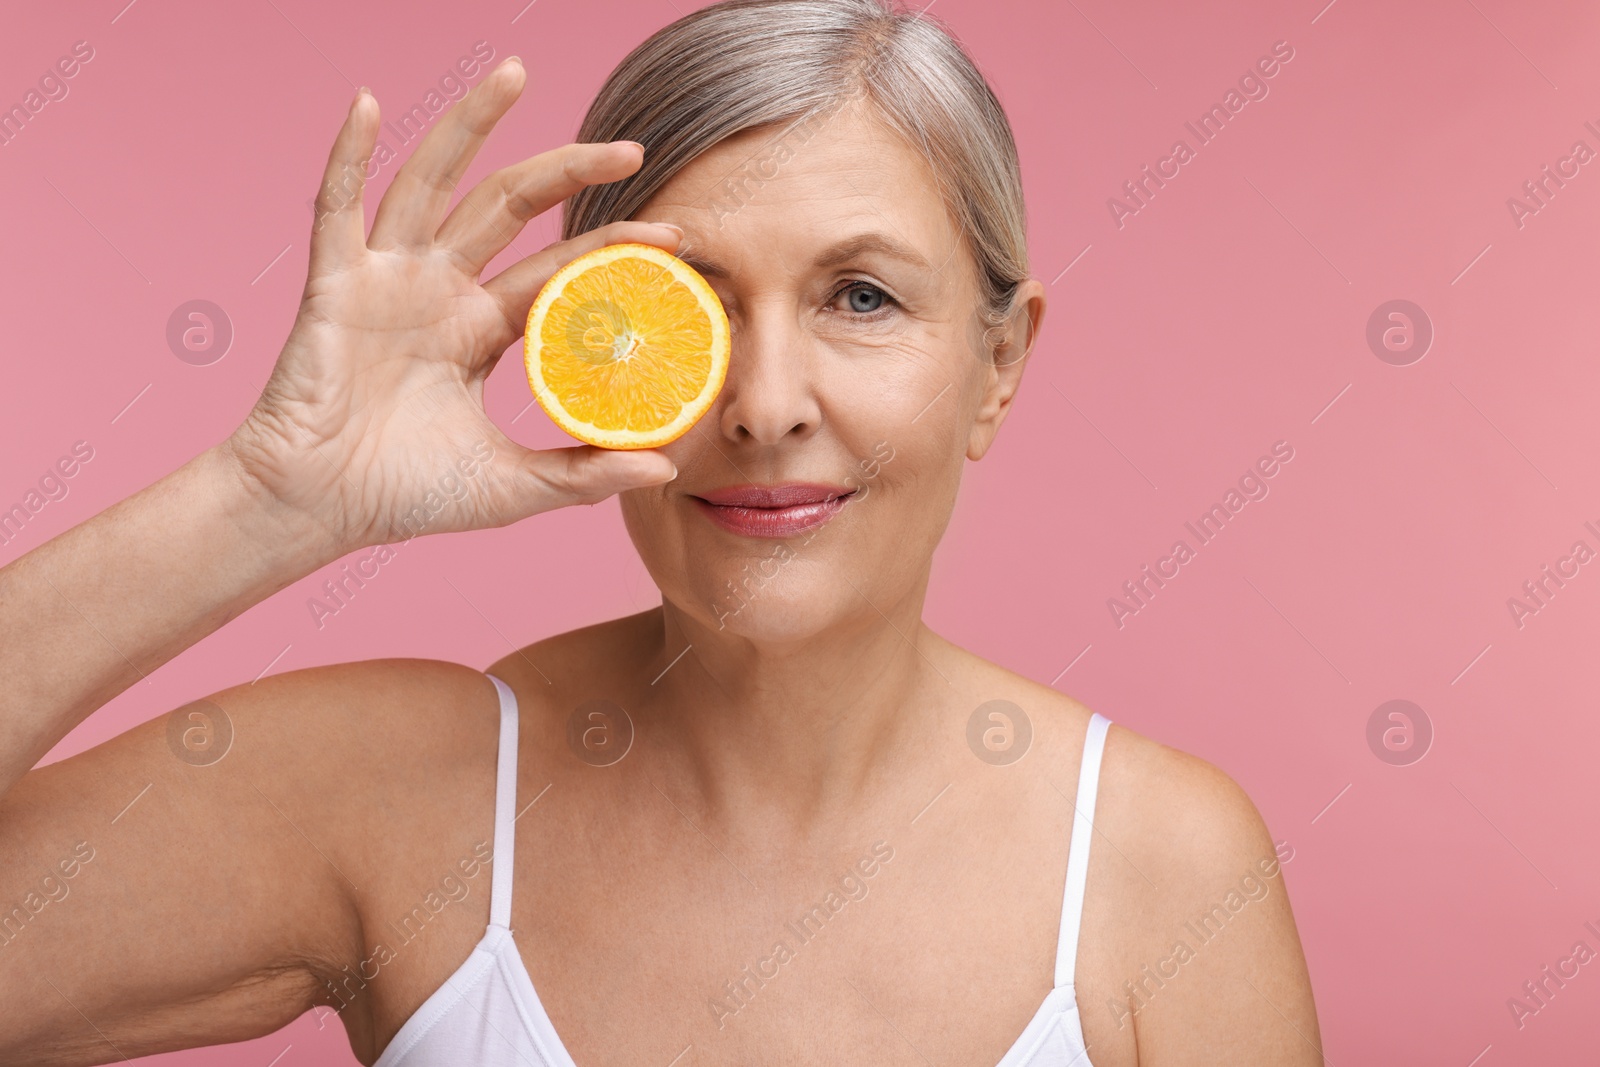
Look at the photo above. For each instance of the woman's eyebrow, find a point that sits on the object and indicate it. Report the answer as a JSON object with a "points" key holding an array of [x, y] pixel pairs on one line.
{"points": [[705, 267], [865, 243], [842, 252]]}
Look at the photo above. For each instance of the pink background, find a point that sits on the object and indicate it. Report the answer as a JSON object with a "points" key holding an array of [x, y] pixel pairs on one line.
{"points": [[1226, 315]]}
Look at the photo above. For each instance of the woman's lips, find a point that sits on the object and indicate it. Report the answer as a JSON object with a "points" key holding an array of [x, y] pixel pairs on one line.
{"points": [[772, 510]]}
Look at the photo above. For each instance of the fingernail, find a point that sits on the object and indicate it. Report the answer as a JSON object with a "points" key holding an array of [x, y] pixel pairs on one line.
{"points": [[514, 59], [635, 144], [670, 226]]}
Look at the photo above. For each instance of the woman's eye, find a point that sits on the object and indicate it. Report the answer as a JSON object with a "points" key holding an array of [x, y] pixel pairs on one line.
{"points": [[865, 298]]}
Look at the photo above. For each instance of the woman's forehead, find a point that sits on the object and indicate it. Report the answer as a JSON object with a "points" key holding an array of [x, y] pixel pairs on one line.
{"points": [[848, 183]]}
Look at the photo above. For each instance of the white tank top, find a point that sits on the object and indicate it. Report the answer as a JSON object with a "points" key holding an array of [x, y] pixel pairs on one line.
{"points": [[488, 1014]]}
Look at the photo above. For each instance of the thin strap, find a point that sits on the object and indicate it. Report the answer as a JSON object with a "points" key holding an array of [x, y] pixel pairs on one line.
{"points": [[505, 803], [1094, 743]]}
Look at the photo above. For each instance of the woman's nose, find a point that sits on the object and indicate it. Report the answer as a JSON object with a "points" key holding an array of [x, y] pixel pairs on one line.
{"points": [[770, 392]]}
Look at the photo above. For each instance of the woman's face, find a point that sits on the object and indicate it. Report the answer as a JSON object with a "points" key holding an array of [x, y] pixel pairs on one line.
{"points": [[818, 484]]}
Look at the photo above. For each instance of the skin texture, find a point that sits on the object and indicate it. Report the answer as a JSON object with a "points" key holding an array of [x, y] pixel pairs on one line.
{"points": [[805, 724]]}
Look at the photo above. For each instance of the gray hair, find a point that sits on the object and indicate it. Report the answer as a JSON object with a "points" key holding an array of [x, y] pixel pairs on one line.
{"points": [[739, 65]]}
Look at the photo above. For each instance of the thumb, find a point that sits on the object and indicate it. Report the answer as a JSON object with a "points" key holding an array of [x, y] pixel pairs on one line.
{"points": [[560, 477]]}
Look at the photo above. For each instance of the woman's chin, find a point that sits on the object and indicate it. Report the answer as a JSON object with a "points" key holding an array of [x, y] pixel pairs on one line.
{"points": [[774, 619]]}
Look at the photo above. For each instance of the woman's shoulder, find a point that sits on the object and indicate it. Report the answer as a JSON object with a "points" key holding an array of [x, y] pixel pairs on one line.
{"points": [[1177, 846], [1158, 805], [383, 702], [559, 672], [1181, 811], [370, 736]]}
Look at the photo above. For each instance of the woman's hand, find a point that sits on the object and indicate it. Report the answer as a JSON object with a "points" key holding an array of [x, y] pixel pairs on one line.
{"points": [[377, 396]]}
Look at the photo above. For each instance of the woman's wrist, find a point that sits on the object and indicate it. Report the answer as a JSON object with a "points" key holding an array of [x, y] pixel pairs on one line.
{"points": [[286, 537]]}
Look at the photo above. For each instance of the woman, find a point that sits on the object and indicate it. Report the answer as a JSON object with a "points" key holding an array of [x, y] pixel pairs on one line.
{"points": [[778, 819]]}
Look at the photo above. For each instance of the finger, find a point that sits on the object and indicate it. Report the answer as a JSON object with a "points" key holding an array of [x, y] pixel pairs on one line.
{"points": [[411, 208], [515, 288], [338, 228], [495, 211], [560, 477]]}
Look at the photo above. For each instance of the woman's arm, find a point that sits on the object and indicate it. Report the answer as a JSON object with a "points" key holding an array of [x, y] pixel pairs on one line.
{"points": [[1218, 975], [200, 909], [377, 396], [86, 615]]}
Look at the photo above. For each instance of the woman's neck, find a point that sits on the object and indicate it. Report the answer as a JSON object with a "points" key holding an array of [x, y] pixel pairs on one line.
{"points": [[800, 729]]}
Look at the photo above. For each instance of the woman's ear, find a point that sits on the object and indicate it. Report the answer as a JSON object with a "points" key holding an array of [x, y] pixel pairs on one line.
{"points": [[1005, 355]]}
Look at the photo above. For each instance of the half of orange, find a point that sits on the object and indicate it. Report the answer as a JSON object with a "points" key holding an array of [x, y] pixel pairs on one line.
{"points": [[627, 346]]}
